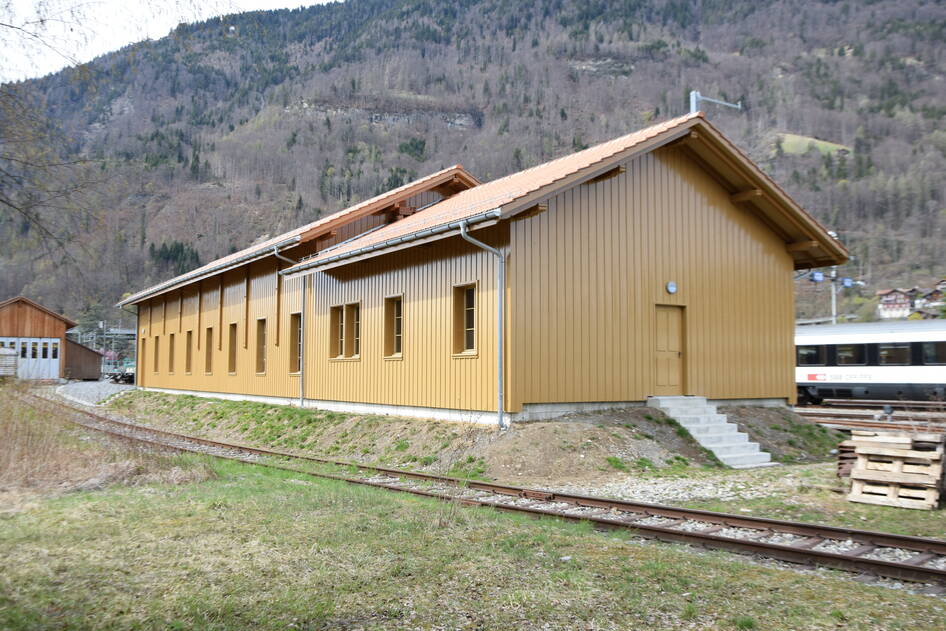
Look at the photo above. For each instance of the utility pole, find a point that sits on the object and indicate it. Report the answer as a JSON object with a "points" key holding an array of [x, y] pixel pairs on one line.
{"points": [[696, 97], [834, 294]]}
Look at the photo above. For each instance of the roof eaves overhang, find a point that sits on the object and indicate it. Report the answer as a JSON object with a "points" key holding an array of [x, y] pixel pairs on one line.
{"points": [[187, 279], [807, 241], [494, 215], [69, 323], [434, 233], [448, 181], [595, 170], [456, 177]]}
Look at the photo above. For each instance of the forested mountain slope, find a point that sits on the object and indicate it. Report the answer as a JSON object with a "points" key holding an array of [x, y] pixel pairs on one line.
{"points": [[245, 126]]}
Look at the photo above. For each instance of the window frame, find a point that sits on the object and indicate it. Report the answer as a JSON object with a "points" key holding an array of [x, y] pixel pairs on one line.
{"points": [[261, 324], [209, 350], [295, 343], [170, 353], [823, 354], [925, 355], [459, 329], [345, 332], [837, 355], [394, 327], [881, 362], [233, 337], [189, 352], [156, 360]]}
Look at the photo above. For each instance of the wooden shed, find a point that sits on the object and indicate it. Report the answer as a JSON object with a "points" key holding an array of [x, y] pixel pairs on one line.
{"points": [[658, 263], [38, 335]]}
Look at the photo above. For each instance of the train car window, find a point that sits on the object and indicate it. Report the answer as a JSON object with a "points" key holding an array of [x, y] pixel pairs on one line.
{"points": [[934, 352], [851, 354], [811, 355], [894, 354]]}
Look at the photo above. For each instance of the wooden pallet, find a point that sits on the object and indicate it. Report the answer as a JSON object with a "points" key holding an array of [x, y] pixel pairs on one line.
{"points": [[890, 494], [897, 469], [846, 458]]}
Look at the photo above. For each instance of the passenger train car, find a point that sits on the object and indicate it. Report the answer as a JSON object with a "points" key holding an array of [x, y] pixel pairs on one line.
{"points": [[872, 360]]}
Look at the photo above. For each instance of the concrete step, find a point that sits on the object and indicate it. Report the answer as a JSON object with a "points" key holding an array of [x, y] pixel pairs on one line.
{"points": [[714, 428], [743, 460], [660, 401], [713, 431], [734, 449], [700, 419], [726, 438]]}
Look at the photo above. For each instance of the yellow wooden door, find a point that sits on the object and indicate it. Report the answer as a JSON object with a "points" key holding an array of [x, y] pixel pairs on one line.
{"points": [[669, 346]]}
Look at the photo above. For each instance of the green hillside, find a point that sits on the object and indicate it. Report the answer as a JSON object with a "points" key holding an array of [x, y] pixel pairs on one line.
{"points": [[204, 141]]}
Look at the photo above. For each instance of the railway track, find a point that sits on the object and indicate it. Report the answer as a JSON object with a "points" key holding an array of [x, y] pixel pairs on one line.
{"points": [[871, 419], [900, 557], [915, 406]]}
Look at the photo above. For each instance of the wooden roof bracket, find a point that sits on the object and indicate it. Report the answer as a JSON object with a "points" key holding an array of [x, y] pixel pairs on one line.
{"points": [[532, 211], [750, 195], [801, 246], [607, 175]]}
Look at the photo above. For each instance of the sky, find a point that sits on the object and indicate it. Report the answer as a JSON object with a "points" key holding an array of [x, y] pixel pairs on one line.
{"points": [[42, 36]]}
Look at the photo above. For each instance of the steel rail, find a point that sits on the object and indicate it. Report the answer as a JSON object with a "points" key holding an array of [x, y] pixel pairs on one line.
{"points": [[879, 403], [611, 514]]}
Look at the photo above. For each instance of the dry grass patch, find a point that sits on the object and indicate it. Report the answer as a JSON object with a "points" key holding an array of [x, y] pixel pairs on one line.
{"points": [[261, 549], [42, 455]]}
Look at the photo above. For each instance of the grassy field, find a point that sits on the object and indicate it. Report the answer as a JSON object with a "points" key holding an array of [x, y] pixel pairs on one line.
{"points": [[795, 144], [260, 549]]}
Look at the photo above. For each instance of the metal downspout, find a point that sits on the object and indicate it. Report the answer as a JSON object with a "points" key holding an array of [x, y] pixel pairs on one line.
{"points": [[500, 321], [305, 283]]}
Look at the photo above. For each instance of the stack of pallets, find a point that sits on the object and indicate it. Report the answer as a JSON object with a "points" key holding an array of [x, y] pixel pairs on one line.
{"points": [[903, 469], [846, 458]]}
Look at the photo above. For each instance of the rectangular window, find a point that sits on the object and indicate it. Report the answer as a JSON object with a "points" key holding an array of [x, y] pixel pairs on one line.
{"points": [[157, 348], [851, 354], [295, 342], [811, 355], [353, 334], [55, 350], [143, 361], [261, 346], [189, 352], [23, 351], [393, 326], [232, 349], [894, 354], [45, 350], [464, 319], [337, 327], [170, 353], [345, 331], [34, 350], [934, 352], [209, 350]]}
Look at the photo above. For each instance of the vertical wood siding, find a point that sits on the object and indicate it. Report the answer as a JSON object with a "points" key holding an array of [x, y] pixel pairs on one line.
{"points": [[589, 272], [19, 319], [427, 374]]}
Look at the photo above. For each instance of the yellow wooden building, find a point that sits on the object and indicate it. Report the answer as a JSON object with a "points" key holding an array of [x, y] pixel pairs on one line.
{"points": [[658, 263]]}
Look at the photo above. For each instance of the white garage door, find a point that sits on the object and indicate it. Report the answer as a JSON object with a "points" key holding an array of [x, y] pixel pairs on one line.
{"points": [[36, 357]]}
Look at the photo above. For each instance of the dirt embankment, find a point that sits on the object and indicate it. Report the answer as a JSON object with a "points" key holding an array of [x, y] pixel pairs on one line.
{"points": [[575, 449], [789, 437]]}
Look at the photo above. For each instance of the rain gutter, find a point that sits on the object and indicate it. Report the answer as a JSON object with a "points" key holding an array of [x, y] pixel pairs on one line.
{"points": [[500, 317]]}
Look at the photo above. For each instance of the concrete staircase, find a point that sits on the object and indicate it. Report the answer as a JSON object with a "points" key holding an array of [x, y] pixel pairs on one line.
{"points": [[711, 430]]}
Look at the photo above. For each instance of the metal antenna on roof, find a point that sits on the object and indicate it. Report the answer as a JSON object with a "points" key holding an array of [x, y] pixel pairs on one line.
{"points": [[696, 97]]}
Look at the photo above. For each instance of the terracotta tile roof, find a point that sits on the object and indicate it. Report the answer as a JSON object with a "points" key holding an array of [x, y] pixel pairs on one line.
{"points": [[500, 192], [311, 229]]}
